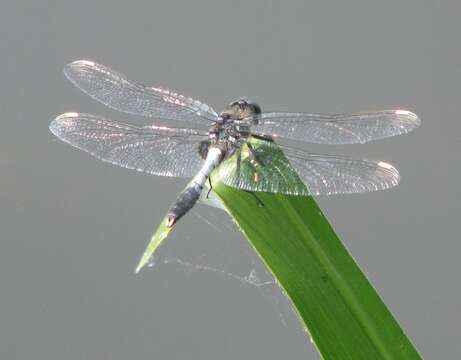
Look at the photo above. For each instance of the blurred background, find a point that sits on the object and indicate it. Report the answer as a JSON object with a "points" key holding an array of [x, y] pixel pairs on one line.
{"points": [[73, 228]]}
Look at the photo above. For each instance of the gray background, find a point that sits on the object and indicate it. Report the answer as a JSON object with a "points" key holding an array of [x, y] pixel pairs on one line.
{"points": [[73, 228]]}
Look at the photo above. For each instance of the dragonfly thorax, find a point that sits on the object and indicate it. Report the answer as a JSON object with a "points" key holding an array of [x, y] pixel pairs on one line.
{"points": [[234, 123], [232, 128], [227, 135]]}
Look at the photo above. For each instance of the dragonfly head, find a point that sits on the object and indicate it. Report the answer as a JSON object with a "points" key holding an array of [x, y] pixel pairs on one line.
{"points": [[242, 109]]}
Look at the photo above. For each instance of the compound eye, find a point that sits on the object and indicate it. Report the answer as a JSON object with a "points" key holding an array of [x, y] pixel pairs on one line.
{"points": [[256, 109]]}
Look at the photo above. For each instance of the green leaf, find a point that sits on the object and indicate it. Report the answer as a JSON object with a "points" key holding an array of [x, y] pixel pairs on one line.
{"points": [[342, 311], [160, 234]]}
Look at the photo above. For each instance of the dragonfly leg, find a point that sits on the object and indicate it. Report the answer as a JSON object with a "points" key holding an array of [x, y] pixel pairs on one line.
{"points": [[254, 154], [211, 188], [237, 174], [257, 161], [237, 170], [257, 157]]}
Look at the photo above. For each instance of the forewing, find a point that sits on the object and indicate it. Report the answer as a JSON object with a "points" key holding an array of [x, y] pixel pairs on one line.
{"points": [[305, 173], [152, 149], [339, 128], [116, 91]]}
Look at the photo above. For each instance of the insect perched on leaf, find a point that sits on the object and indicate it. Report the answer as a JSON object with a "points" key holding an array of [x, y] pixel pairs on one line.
{"points": [[225, 141]]}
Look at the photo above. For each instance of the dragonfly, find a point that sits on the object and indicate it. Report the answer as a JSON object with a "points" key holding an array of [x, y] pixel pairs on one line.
{"points": [[203, 141]]}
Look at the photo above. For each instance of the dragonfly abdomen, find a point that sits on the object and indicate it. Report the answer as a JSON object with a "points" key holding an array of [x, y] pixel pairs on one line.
{"points": [[185, 201], [189, 196]]}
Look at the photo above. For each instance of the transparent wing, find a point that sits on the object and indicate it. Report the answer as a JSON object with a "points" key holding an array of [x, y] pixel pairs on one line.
{"points": [[337, 129], [267, 170], [155, 150], [116, 91]]}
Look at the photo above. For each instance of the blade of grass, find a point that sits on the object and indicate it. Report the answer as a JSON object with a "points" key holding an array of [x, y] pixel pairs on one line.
{"points": [[342, 311], [157, 238]]}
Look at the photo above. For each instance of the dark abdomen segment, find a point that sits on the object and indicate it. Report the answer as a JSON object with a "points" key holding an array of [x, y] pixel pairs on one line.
{"points": [[189, 196], [185, 201]]}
